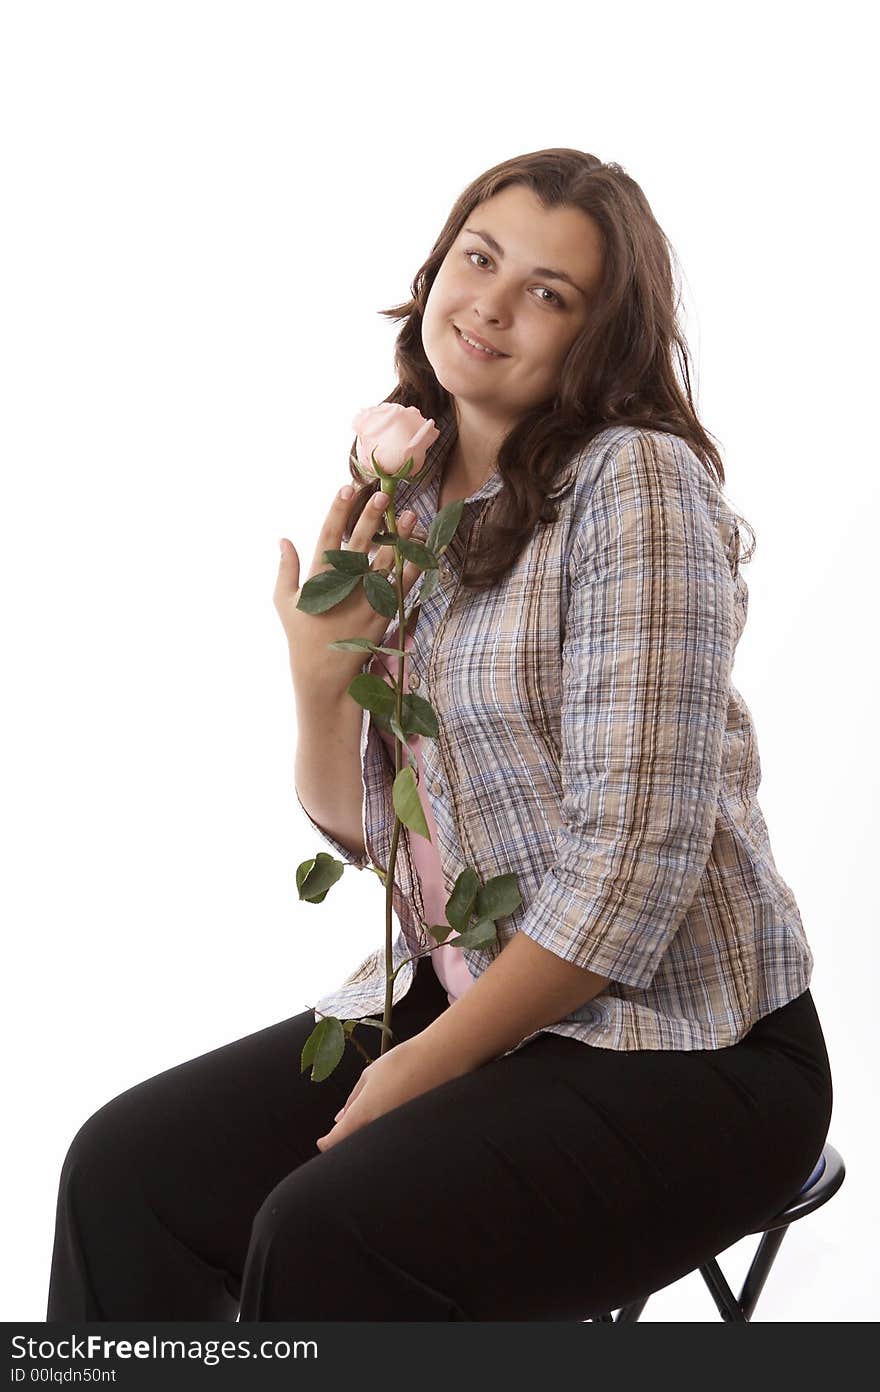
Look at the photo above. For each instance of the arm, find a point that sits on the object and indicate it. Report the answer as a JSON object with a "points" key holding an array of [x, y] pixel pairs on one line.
{"points": [[646, 658], [328, 780], [525, 988]]}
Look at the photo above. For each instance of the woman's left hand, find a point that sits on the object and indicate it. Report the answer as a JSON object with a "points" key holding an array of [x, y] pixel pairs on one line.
{"points": [[406, 1071]]}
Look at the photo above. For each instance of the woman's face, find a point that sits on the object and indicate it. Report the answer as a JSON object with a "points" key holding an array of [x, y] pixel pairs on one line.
{"points": [[500, 283]]}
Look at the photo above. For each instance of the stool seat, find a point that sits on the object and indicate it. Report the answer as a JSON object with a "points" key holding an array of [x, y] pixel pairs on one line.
{"points": [[823, 1182], [819, 1169]]}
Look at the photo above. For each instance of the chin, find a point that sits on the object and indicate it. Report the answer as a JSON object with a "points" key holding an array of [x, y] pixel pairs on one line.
{"points": [[441, 369]]}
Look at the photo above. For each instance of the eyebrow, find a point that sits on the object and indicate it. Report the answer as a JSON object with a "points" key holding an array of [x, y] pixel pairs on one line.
{"points": [[546, 271]]}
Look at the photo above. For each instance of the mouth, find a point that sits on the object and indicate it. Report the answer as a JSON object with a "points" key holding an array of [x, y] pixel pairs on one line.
{"points": [[477, 346]]}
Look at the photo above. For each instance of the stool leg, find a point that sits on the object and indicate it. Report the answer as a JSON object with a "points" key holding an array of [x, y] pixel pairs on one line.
{"points": [[760, 1268], [630, 1313], [733, 1310], [728, 1305]]}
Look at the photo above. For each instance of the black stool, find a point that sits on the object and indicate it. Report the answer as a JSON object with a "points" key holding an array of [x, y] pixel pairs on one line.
{"points": [[825, 1180]]}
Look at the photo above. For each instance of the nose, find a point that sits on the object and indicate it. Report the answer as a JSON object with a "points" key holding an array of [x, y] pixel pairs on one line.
{"points": [[490, 307]]}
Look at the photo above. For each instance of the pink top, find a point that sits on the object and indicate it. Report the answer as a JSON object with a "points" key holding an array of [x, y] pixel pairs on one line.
{"points": [[448, 961]]}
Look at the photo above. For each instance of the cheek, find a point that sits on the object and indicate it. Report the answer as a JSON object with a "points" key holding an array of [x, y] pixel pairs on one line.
{"points": [[546, 352], [452, 286], [438, 304], [429, 321], [556, 349]]}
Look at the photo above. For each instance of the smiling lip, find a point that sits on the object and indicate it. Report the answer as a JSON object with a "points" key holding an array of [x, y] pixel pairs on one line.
{"points": [[477, 339]]}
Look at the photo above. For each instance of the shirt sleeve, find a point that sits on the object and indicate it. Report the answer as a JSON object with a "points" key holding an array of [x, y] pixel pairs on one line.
{"points": [[338, 847], [646, 663]]}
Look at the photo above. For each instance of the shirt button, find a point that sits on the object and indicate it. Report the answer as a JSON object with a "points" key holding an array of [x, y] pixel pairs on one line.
{"points": [[437, 788], [414, 680], [445, 570]]}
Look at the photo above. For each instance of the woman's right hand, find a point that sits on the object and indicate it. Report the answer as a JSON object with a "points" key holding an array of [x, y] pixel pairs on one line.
{"points": [[318, 671]]}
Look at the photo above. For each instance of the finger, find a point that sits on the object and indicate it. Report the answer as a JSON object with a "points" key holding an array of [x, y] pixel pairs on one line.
{"points": [[287, 579], [384, 556], [288, 564], [336, 1133], [331, 533], [373, 519], [356, 1090]]}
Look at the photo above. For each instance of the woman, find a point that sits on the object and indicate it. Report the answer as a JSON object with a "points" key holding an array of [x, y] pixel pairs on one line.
{"points": [[635, 1076]]}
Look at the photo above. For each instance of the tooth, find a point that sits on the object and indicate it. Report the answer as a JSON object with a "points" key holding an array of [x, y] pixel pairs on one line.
{"points": [[490, 351]]}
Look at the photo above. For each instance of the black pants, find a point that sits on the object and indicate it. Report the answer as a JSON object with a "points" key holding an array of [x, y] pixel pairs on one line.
{"points": [[556, 1183]]}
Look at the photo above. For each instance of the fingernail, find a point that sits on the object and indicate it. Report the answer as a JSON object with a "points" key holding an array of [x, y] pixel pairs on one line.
{"points": [[407, 517], [379, 500], [346, 492]]}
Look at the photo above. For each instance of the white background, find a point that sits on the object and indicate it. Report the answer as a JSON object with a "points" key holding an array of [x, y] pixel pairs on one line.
{"points": [[206, 206]]}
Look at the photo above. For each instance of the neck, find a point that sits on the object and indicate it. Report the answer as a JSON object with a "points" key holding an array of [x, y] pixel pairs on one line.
{"points": [[474, 454]]}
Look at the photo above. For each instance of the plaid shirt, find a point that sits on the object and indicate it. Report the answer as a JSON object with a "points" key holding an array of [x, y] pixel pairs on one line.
{"points": [[592, 743]]}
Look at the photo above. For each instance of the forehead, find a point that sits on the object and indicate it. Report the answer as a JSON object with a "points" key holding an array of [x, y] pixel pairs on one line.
{"points": [[564, 238]]}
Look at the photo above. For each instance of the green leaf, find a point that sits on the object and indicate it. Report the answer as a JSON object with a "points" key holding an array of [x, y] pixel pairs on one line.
{"points": [[323, 591], [480, 934], [444, 524], [407, 803], [381, 595], [430, 581], [367, 644], [380, 472], [376, 1024], [417, 552], [401, 735], [354, 645], [498, 897], [419, 717], [390, 539], [373, 693], [440, 931], [316, 876], [351, 562], [323, 1048], [461, 901]]}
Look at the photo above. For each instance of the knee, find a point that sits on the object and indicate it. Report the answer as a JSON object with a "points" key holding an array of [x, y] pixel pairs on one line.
{"points": [[300, 1212], [301, 1252], [99, 1150]]}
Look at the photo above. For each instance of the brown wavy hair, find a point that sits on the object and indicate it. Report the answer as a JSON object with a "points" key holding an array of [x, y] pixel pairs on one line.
{"points": [[620, 370]]}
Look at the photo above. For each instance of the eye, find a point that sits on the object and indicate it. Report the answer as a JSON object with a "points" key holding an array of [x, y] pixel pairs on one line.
{"points": [[550, 292], [557, 299]]}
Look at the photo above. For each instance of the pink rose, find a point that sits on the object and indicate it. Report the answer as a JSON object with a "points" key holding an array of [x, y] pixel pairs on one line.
{"points": [[396, 433]]}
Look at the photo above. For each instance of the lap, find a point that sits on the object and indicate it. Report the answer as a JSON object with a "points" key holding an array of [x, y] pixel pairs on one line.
{"points": [[206, 1140], [255, 1086], [563, 1174], [555, 1176]]}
